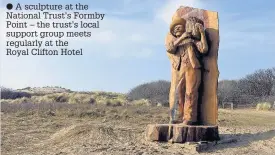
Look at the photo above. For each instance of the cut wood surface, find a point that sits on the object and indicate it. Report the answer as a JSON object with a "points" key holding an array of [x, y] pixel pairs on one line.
{"points": [[181, 133]]}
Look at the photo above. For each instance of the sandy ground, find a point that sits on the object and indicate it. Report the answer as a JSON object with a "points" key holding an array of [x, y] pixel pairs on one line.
{"points": [[120, 130]]}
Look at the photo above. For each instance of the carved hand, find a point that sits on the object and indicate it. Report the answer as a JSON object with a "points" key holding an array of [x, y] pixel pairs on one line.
{"points": [[200, 27], [185, 35]]}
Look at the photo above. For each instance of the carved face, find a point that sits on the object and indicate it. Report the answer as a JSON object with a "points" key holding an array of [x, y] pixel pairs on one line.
{"points": [[178, 30]]}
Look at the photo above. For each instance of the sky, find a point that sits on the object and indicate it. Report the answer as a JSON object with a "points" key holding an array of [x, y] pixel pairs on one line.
{"points": [[128, 48]]}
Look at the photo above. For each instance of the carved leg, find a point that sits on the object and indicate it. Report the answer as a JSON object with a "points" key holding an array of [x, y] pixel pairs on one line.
{"points": [[176, 97], [172, 95], [193, 79], [181, 95]]}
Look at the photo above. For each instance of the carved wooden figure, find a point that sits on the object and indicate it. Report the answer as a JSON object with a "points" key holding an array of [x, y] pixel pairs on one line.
{"points": [[192, 48], [193, 56], [187, 46]]}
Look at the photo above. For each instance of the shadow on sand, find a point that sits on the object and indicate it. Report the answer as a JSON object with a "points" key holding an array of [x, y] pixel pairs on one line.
{"points": [[243, 140]]}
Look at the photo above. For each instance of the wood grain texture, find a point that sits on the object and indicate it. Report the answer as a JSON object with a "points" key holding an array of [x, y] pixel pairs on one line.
{"points": [[181, 133]]}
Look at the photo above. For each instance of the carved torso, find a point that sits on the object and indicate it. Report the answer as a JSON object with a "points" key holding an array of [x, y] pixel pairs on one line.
{"points": [[181, 57]]}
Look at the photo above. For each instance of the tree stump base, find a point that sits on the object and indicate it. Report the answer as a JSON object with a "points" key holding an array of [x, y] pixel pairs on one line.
{"points": [[178, 133]]}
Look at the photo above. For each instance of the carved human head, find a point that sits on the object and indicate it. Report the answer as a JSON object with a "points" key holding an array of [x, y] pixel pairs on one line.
{"points": [[177, 27], [192, 27]]}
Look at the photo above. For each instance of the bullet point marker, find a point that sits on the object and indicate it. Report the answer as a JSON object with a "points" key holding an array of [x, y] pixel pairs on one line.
{"points": [[9, 6]]}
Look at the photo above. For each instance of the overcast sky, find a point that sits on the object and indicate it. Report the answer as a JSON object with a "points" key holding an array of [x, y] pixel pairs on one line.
{"points": [[129, 50]]}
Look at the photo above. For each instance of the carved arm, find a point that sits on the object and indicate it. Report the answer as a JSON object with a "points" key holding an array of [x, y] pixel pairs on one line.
{"points": [[202, 45], [172, 44]]}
